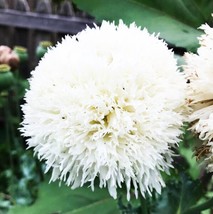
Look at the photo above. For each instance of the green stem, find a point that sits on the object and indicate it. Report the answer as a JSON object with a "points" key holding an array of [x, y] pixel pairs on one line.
{"points": [[8, 134], [197, 209], [18, 112], [144, 207]]}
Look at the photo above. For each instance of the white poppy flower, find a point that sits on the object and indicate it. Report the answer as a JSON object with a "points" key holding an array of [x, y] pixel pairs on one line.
{"points": [[106, 105], [199, 72]]}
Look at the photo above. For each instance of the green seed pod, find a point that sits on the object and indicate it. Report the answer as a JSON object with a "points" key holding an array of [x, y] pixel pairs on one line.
{"points": [[22, 53], [42, 48], [6, 77]]}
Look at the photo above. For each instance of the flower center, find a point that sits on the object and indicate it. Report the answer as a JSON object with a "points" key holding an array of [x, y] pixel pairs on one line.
{"points": [[111, 120]]}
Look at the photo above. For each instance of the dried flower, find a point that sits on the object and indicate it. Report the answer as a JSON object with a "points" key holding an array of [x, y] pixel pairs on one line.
{"points": [[106, 104]]}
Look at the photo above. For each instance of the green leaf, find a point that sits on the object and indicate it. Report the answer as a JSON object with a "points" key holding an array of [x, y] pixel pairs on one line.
{"points": [[175, 22], [177, 197], [206, 8], [63, 200], [180, 61], [191, 192], [167, 203], [186, 11]]}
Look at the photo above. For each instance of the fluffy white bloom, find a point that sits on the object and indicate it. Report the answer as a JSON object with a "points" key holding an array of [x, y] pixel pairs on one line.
{"points": [[199, 71], [107, 104]]}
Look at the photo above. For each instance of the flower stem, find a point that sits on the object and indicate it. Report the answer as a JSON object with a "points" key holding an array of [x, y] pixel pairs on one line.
{"points": [[144, 207], [17, 105], [197, 209], [8, 134]]}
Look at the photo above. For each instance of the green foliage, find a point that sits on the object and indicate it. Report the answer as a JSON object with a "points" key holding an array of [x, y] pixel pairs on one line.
{"points": [[63, 200], [177, 21], [206, 8], [19, 172], [186, 150], [179, 196]]}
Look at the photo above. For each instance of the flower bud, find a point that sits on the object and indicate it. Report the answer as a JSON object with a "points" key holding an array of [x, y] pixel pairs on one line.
{"points": [[22, 53], [6, 77], [42, 48]]}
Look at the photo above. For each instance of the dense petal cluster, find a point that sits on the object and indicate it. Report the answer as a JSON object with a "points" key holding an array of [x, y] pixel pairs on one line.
{"points": [[199, 72], [107, 105]]}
